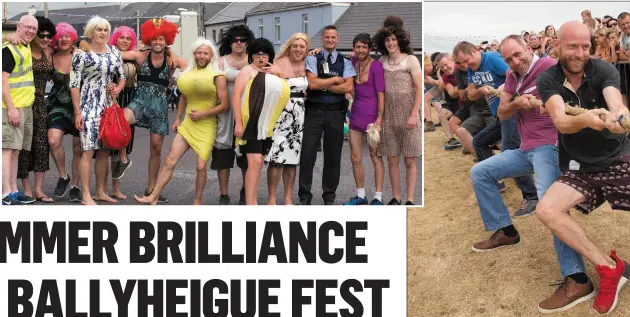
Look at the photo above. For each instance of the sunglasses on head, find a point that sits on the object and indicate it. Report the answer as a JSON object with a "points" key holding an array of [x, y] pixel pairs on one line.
{"points": [[44, 36], [239, 40]]}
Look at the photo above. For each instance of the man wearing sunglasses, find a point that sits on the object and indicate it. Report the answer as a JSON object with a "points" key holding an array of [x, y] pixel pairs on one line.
{"points": [[18, 95]]}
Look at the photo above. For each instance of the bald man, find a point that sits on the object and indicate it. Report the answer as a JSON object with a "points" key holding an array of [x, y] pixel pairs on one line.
{"points": [[594, 157], [18, 94]]}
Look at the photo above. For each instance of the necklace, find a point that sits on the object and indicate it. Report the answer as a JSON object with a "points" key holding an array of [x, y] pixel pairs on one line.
{"points": [[362, 70], [298, 72]]}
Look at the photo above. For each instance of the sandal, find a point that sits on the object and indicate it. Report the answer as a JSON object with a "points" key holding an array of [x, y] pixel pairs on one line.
{"points": [[45, 199]]}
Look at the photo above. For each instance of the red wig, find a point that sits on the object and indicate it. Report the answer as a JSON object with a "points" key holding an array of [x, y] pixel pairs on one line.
{"points": [[155, 28]]}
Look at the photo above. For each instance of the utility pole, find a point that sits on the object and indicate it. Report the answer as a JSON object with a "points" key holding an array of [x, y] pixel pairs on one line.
{"points": [[46, 9], [138, 24], [5, 12], [200, 19]]}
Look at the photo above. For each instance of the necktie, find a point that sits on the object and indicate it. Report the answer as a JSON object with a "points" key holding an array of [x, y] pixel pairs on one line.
{"points": [[329, 59]]}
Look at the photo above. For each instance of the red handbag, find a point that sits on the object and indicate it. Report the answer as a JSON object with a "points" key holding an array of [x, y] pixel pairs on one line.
{"points": [[114, 131]]}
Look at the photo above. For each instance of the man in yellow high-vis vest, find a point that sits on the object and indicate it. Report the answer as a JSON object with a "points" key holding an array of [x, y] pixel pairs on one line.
{"points": [[18, 94]]}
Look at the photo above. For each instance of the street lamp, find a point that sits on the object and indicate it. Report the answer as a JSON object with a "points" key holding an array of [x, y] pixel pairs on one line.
{"points": [[32, 10]]}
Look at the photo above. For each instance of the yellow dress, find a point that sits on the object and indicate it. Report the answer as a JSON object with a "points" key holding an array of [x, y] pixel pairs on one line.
{"points": [[197, 85]]}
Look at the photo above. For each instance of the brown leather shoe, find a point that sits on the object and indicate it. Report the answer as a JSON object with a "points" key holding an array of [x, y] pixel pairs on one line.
{"points": [[496, 241], [568, 294]]}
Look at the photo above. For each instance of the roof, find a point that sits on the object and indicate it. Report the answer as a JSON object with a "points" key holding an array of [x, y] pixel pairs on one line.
{"points": [[78, 17], [235, 11], [268, 7], [369, 16]]}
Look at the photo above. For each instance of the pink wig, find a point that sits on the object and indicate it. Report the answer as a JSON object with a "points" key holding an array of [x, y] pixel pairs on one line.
{"points": [[124, 30], [62, 29]]}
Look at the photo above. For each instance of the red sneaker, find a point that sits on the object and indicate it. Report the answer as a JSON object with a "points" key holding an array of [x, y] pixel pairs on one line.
{"points": [[611, 281]]}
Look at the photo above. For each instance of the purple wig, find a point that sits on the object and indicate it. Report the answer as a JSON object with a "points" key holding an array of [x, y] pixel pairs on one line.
{"points": [[124, 30], [62, 29]]}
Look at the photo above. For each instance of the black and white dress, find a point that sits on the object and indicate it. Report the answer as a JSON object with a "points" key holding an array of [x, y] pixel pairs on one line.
{"points": [[287, 134]]}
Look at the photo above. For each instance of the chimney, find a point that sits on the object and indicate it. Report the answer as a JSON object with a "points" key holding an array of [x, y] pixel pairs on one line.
{"points": [[32, 10]]}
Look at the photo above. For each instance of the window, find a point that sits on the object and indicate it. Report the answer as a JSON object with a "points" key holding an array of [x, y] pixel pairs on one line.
{"points": [[214, 35], [278, 30], [305, 24], [260, 28]]}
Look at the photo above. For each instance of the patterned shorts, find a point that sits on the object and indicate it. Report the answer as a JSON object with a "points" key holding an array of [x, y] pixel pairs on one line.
{"points": [[611, 184]]}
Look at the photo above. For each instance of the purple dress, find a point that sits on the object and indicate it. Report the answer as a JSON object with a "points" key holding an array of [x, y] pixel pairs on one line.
{"points": [[365, 105]]}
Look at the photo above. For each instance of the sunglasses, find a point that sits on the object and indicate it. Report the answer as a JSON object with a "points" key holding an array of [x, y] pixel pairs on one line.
{"points": [[44, 36], [239, 40]]}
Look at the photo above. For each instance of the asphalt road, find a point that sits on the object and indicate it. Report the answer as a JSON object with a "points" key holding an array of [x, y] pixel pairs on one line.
{"points": [[181, 189]]}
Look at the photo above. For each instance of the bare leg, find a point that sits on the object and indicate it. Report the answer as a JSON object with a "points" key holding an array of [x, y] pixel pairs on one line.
{"points": [[466, 139], [252, 178], [427, 107], [178, 149], [379, 170], [55, 138], [412, 175], [273, 179], [356, 157], [552, 211], [200, 183], [26, 187], [7, 156], [444, 115], [224, 181], [14, 169], [154, 159], [394, 175], [288, 177], [39, 182], [454, 123], [77, 154], [86, 167], [100, 167]]}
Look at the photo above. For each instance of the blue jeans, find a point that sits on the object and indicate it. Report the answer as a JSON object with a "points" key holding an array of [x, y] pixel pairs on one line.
{"points": [[507, 132], [543, 162]]}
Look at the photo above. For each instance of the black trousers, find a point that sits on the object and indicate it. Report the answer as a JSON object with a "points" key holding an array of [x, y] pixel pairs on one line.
{"points": [[330, 123]]}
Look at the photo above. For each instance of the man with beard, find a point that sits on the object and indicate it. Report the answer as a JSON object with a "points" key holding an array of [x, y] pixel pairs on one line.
{"points": [[330, 77], [18, 95], [488, 70], [624, 55], [537, 153], [149, 107], [594, 156]]}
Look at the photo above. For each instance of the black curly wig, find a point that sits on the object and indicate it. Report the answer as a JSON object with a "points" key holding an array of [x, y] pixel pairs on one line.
{"points": [[393, 25], [226, 38], [44, 24], [260, 45]]}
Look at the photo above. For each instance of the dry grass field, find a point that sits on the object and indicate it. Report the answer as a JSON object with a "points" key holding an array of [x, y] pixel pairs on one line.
{"points": [[446, 278]]}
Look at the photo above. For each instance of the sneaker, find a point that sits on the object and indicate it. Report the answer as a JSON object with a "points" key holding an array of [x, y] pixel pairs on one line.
{"points": [[429, 126], [465, 151], [528, 207], [75, 194], [409, 203], [354, 201], [62, 185], [501, 186], [568, 294], [611, 281], [241, 200], [9, 200], [394, 201], [24, 199], [437, 125], [120, 169], [224, 200], [497, 240], [452, 144], [161, 199], [376, 202]]}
